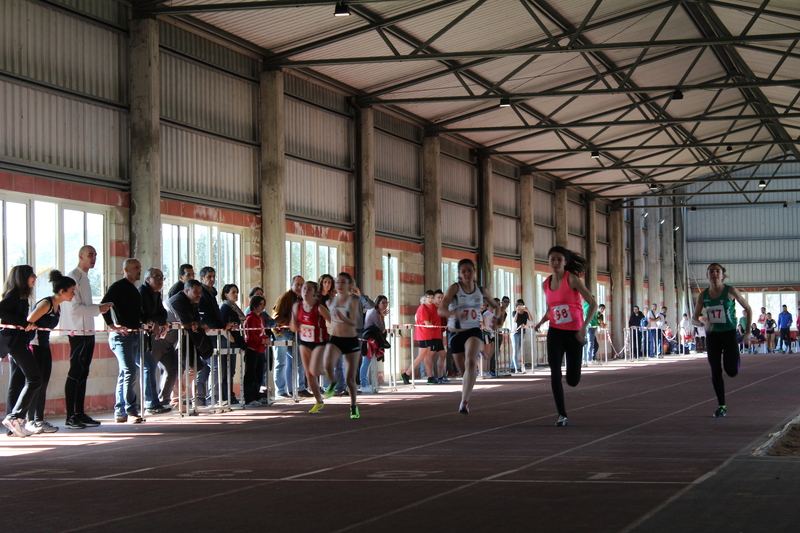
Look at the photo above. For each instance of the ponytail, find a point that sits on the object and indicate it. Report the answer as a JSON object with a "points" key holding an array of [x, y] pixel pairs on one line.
{"points": [[60, 282]]}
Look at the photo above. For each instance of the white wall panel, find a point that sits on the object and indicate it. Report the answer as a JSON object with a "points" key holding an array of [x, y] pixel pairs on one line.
{"points": [[208, 166], [752, 251], [743, 223], [543, 240], [459, 225], [753, 274], [543, 208], [44, 129], [505, 195], [398, 211], [576, 218], [398, 161], [208, 99], [318, 135], [459, 180], [506, 235], [59, 49], [318, 192]]}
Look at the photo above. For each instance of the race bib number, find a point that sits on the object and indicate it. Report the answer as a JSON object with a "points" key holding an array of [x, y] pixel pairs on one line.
{"points": [[716, 314], [468, 314], [561, 314], [306, 333]]}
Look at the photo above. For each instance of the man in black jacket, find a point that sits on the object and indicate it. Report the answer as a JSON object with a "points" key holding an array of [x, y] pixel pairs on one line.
{"points": [[185, 306], [154, 317], [185, 273], [212, 318], [637, 335]]}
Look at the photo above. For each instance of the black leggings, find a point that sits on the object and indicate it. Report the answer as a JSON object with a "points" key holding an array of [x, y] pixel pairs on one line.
{"points": [[560, 342], [785, 340], [44, 358], [723, 353], [254, 368], [81, 350], [25, 379]]}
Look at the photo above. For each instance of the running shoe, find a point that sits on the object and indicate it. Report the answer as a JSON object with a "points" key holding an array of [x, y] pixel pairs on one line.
{"points": [[330, 390], [15, 426], [33, 428], [134, 419], [304, 394], [463, 408], [562, 421], [88, 421], [432, 381], [721, 411], [354, 412], [317, 408], [406, 378], [74, 422], [254, 403], [157, 410], [444, 380], [46, 426]]}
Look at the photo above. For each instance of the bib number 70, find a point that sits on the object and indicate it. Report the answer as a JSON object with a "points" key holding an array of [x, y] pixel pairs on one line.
{"points": [[468, 314]]}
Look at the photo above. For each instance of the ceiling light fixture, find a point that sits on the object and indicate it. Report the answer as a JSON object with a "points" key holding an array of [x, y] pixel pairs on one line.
{"points": [[595, 155], [729, 148], [661, 221], [341, 10], [762, 184], [693, 209], [645, 214], [785, 204], [505, 102], [653, 187], [677, 228], [677, 95]]}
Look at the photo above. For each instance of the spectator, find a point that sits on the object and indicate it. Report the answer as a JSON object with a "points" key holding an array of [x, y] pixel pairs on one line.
{"points": [[421, 334], [520, 316], [375, 335], [686, 333], [743, 320], [258, 341], [436, 345], [185, 305], [233, 316], [154, 316], [770, 329], [700, 336], [212, 317], [185, 273], [653, 336], [762, 320], [284, 373], [663, 325], [784, 325], [488, 319], [596, 322], [124, 319], [635, 322]]}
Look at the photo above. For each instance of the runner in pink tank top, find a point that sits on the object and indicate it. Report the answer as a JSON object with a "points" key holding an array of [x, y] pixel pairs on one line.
{"points": [[567, 332]]}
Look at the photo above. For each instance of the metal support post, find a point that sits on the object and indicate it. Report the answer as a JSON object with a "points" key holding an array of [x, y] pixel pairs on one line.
{"points": [[141, 373]]}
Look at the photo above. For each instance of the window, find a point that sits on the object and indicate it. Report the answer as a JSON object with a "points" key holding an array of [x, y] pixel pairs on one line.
{"points": [[201, 245], [505, 285], [391, 288], [773, 301], [311, 258], [449, 274], [541, 299], [48, 235]]}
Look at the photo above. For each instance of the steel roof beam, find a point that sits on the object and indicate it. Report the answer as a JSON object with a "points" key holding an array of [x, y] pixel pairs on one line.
{"points": [[707, 206], [448, 27], [641, 166], [242, 6], [576, 49], [684, 182], [692, 194], [603, 148]]}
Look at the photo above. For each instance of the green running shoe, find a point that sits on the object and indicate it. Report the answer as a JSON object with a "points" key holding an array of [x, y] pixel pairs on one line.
{"points": [[331, 390], [354, 412], [721, 411]]}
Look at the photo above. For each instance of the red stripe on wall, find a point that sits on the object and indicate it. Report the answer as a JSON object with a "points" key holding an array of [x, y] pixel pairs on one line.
{"points": [[408, 310], [601, 277], [60, 351], [62, 190], [252, 261], [396, 244], [319, 232], [119, 249], [455, 254], [412, 279], [508, 263]]}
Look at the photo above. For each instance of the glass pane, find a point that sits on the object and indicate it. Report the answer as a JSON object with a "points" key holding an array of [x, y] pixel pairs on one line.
{"points": [[773, 304], [73, 231], [237, 263], [168, 246], [214, 257], [333, 261], [322, 262], [45, 245], [297, 261], [202, 247], [288, 257], [183, 246], [310, 267], [2, 264], [95, 238], [17, 236], [756, 301]]}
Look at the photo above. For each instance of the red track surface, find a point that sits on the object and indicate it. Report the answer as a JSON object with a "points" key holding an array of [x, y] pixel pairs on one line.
{"points": [[639, 435]]}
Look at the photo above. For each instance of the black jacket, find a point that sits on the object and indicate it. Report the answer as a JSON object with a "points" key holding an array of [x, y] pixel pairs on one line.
{"points": [[152, 307], [187, 312], [229, 316], [209, 310]]}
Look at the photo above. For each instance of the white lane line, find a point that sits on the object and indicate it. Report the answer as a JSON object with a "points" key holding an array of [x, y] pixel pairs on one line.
{"points": [[123, 473]]}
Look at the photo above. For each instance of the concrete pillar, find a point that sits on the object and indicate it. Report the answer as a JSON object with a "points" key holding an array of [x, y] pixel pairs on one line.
{"points": [[485, 223], [653, 260], [527, 250], [638, 294], [591, 245], [432, 212], [145, 143], [272, 185], [560, 214], [668, 266], [365, 201], [616, 259], [680, 263]]}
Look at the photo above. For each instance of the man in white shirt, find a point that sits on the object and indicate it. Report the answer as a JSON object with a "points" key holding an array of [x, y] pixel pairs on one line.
{"points": [[653, 332], [78, 317]]}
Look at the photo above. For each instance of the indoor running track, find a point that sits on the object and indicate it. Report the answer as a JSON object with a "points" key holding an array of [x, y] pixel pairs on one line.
{"points": [[642, 453]]}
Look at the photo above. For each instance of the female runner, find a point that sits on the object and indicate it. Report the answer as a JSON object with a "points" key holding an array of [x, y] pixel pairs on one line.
{"points": [[461, 306], [721, 347], [46, 314], [344, 340], [308, 318], [563, 290]]}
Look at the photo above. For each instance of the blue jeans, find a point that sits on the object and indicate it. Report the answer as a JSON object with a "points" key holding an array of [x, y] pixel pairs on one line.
{"points": [[126, 348], [364, 371], [284, 372], [150, 384], [517, 349], [653, 345], [592, 344]]}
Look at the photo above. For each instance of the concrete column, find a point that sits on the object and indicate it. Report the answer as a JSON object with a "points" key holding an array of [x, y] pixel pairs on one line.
{"points": [[145, 143], [560, 214], [668, 266], [365, 201], [653, 260], [485, 223], [637, 250], [272, 185], [680, 263], [616, 259], [432, 212], [526, 233], [591, 245]]}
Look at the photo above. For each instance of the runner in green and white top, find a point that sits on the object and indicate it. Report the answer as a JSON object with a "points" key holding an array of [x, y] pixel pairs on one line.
{"points": [[722, 348]]}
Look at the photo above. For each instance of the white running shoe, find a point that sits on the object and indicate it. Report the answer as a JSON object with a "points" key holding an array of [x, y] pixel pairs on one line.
{"points": [[562, 421], [15, 426], [33, 428]]}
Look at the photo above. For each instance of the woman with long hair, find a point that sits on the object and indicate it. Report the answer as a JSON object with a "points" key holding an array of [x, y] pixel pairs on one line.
{"points": [[566, 334], [374, 328], [308, 321], [721, 346], [46, 314], [14, 312], [343, 339], [461, 306]]}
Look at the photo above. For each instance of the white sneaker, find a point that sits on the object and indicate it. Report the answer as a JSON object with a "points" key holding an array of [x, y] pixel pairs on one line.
{"points": [[15, 426], [33, 428], [46, 426], [366, 389]]}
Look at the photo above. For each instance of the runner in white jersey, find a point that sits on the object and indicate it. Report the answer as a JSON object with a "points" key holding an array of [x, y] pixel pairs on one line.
{"points": [[461, 306]]}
